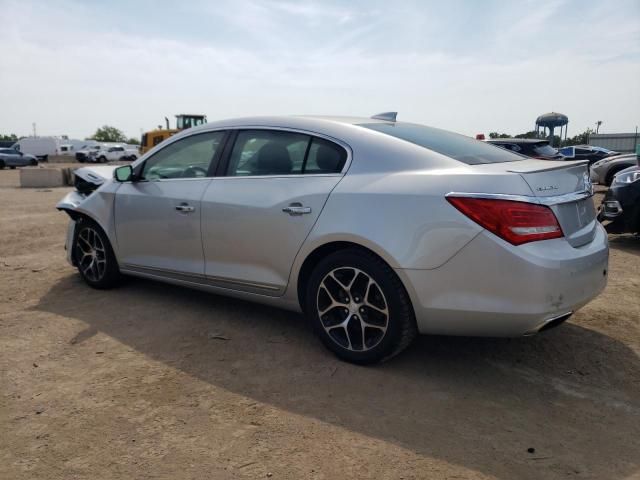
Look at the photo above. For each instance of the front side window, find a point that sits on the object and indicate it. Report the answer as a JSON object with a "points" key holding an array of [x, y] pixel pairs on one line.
{"points": [[189, 157]]}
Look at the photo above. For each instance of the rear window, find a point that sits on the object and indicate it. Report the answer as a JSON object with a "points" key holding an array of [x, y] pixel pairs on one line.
{"points": [[545, 149], [461, 148]]}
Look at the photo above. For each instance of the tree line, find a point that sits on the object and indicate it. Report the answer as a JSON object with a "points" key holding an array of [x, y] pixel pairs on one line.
{"points": [[105, 133], [580, 139]]}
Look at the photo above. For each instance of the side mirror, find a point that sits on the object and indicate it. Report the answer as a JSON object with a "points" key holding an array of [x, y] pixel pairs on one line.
{"points": [[123, 174]]}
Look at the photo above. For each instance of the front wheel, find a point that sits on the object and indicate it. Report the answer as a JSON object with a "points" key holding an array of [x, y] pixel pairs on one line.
{"points": [[94, 256], [359, 307]]}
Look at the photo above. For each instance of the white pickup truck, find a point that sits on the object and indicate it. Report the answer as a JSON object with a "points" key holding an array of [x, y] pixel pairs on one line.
{"points": [[111, 154]]}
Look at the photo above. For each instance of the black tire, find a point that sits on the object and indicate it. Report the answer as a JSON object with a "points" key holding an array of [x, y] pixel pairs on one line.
{"points": [[102, 159], [88, 258], [12, 167], [2, 165], [383, 287], [33, 163]]}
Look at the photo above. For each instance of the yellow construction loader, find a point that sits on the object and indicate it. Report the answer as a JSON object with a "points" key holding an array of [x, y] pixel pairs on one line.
{"points": [[183, 121]]}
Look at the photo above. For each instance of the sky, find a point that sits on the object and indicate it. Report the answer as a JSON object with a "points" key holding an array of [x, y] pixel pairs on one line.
{"points": [[467, 66]]}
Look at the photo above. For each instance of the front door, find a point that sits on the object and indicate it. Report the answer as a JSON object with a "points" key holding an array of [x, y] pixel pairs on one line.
{"points": [[256, 217], [158, 215]]}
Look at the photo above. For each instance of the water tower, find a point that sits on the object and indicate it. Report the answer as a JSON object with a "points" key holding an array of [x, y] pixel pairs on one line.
{"points": [[551, 121]]}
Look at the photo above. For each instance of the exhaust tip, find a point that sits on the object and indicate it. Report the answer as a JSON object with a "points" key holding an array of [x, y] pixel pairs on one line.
{"points": [[554, 322]]}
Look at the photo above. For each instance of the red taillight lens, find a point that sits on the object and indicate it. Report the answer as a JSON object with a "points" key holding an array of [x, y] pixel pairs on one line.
{"points": [[515, 222]]}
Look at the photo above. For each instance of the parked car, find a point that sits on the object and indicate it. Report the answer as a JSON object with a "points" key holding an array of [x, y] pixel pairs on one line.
{"points": [[87, 151], [604, 170], [376, 229], [12, 158], [620, 208], [114, 153], [587, 152], [531, 147]]}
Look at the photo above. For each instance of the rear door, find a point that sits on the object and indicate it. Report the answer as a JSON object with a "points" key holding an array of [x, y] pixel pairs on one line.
{"points": [[256, 217], [158, 217]]}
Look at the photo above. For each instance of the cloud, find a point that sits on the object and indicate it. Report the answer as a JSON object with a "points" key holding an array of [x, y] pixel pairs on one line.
{"points": [[73, 67]]}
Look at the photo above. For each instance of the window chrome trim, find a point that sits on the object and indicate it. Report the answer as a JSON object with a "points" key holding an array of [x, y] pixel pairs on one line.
{"points": [[548, 201], [179, 136]]}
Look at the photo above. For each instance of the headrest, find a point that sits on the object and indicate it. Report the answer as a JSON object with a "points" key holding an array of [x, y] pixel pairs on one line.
{"points": [[274, 159]]}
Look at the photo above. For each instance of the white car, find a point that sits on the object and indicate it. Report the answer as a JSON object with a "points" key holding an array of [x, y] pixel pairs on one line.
{"points": [[115, 153]]}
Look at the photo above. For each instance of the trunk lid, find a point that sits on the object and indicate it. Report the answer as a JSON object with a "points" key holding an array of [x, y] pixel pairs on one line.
{"points": [[566, 188]]}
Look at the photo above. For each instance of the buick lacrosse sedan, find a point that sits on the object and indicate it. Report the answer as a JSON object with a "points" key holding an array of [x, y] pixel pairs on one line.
{"points": [[376, 229]]}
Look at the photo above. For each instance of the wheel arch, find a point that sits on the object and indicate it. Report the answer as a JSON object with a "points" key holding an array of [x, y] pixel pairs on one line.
{"points": [[78, 215], [320, 251]]}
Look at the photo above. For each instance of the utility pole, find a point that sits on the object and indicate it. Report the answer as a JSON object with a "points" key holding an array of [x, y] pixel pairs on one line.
{"points": [[34, 129], [598, 123]]}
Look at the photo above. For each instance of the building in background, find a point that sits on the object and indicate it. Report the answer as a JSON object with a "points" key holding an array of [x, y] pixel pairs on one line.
{"points": [[620, 142]]}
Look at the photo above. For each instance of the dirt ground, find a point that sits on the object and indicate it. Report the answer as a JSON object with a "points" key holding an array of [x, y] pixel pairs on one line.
{"points": [[132, 383]]}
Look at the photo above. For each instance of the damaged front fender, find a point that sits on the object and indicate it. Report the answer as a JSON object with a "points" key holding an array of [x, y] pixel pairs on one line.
{"points": [[95, 203]]}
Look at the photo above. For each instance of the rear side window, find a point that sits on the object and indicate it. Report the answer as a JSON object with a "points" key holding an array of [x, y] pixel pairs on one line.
{"points": [[461, 148], [325, 157], [273, 152]]}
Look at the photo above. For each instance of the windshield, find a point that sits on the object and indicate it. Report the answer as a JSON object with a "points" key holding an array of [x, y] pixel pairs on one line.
{"points": [[461, 148]]}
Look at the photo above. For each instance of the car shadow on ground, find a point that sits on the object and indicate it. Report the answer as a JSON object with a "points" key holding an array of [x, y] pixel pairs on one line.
{"points": [[478, 403], [626, 243]]}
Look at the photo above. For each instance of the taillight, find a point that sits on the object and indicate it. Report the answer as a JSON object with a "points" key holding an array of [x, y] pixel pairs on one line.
{"points": [[515, 222]]}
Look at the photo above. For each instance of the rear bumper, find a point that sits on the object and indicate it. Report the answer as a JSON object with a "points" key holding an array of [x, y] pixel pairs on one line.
{"points": [[492, 288]]}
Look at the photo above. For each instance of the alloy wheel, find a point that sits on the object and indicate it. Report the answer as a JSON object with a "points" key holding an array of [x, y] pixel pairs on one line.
{"points": [[352, 309], [92, 257]]}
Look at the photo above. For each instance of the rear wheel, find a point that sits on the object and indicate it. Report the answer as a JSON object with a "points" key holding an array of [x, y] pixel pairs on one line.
{"points": [[359, 307], [94, 256], [102, 159]]}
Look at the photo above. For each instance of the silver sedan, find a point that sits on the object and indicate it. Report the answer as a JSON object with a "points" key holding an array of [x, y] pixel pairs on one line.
{"points": [[604, 170], [376, 229]]}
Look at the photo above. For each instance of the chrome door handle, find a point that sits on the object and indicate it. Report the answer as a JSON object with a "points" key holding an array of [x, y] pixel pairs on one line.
{"points": [[183, 207], [296, 210]]}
